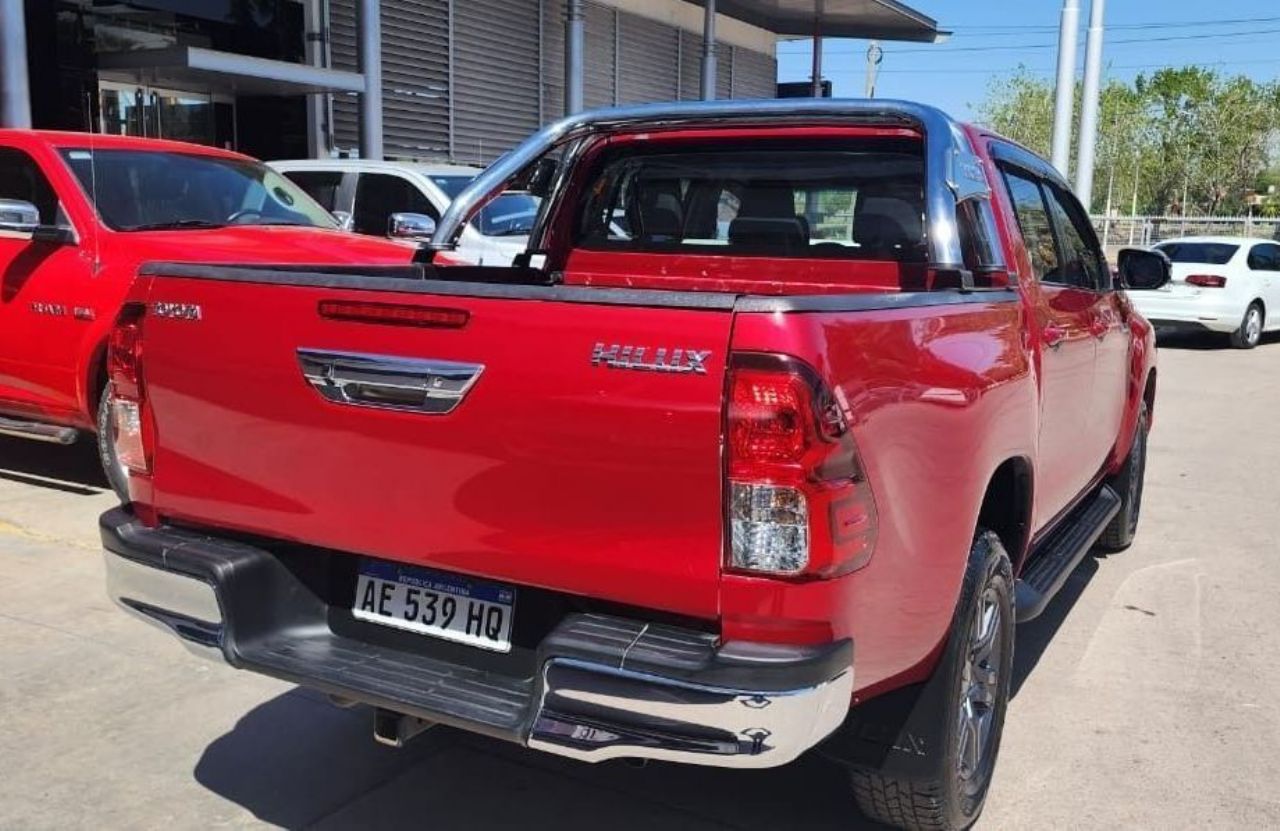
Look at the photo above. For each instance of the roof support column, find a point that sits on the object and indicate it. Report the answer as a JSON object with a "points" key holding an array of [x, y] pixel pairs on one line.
{"points": [[371, 66], [575, 24], [1065, 94], [15, 87], [709, 50]]}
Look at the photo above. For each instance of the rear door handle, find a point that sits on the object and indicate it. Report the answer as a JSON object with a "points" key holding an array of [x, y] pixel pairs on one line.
{"points": [[1053, 336], [388, 382]]}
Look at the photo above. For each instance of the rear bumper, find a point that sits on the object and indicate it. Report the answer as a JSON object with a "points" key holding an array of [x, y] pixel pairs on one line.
{"points": [[1189, 313], [604, 687]]}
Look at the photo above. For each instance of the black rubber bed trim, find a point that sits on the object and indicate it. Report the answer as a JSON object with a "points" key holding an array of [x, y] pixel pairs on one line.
{"points": [[415, 280]]}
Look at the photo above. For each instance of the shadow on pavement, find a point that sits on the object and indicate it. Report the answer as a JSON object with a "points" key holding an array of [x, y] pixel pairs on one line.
{"points": [[68, 468], [295, 761], [1208, 342], [1034, 636]]}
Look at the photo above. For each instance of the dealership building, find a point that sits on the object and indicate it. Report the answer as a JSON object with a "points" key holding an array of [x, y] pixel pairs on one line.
{"points": [[461, 80]]}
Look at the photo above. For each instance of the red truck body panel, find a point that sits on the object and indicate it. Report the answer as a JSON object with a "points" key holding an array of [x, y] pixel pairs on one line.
{"points": [[550, 473], [59, 300]]}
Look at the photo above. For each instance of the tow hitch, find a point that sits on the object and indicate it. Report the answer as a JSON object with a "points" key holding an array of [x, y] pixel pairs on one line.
{"points": [[395, 729]]}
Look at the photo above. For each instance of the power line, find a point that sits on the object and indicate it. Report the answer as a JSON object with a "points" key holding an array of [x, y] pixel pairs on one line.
{"points": [[1118, 42], [1115, 26], [1035, 70]]}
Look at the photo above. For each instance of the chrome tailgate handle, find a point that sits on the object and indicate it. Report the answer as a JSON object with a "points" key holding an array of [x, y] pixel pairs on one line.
{"points": [[388, 382]]}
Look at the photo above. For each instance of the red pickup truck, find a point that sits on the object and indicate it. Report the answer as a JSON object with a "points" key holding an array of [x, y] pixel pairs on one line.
{"points": [[788, 413], [79, 213]]}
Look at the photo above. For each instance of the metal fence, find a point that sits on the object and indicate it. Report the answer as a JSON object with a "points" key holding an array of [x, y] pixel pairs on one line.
{"points": [[1117, 231]]}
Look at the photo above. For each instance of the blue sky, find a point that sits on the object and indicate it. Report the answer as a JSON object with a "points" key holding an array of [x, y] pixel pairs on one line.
{"points": [[992, 37]]}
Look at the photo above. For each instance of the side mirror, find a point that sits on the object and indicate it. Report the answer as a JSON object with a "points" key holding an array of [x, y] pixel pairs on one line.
{"points": [[18, 216], [345, 220], [22, 217], [411, 226], [1142, 269]]}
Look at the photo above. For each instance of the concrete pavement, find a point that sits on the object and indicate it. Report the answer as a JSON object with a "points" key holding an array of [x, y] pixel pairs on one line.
{"points": [[1144, 695]]}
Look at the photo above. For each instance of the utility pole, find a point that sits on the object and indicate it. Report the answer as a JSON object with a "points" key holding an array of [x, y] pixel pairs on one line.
{"points": [[875, 56], [817, 50], [575, 23], [371, 66], [817, 66], [709, 50], [1065, 93], [1089, 104]]}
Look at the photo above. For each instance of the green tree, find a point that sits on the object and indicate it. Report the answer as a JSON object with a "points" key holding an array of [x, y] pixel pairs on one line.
{"points": [[1184, 139]]}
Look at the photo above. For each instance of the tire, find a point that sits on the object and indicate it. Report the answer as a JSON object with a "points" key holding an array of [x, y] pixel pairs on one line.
{"points": [[1250, 331], [965, 703], [1128, 483], [112, 468]]}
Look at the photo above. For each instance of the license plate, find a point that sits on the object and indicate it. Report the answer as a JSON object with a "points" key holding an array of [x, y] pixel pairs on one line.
{"points": [[473, 612]]}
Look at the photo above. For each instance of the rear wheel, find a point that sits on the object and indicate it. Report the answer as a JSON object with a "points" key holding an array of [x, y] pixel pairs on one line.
{"points": [[1250, 331], [1128, 484], [945, 785], [116, 475]]}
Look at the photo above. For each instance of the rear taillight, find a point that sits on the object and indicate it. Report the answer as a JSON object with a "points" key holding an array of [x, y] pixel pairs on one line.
{"points": [[1208, 281], [130, 422], [798, 501]]}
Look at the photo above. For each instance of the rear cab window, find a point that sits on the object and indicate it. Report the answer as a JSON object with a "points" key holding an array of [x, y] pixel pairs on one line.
{"points": [[843, 200]]}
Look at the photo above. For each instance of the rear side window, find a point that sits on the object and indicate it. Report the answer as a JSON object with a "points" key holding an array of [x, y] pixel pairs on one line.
{"points": [[1265, 257], [320, 185], [379, 195], [1037, 229], [1203, 253], [1082, 262], [862, 200]]}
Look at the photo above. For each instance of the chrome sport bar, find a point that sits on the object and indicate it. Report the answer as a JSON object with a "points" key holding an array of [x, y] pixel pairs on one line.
{"points": [[953, 172]]}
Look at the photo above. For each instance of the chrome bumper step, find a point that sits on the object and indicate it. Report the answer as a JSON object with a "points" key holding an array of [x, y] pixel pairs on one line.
{"points": [[597, 686], [37, 431]]}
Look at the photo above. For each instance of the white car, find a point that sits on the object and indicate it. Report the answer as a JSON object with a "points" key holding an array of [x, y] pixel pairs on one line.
{"points": [[406, 199], [1220, 284]]}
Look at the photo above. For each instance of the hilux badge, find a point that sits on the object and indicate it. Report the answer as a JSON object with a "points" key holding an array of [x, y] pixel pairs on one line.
{"points": [[619, 356]]}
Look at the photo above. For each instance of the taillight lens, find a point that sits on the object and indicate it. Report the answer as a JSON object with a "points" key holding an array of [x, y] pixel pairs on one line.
{"points": [[798, 502], [1208, 281], [129, 418]]}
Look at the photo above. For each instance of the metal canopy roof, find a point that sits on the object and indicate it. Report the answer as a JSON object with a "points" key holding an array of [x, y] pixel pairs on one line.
{"points": [[880, 19], [180, 66]]}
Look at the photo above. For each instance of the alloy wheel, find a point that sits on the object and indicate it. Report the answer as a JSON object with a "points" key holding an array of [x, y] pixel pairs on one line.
{"points": [[979, 687]]}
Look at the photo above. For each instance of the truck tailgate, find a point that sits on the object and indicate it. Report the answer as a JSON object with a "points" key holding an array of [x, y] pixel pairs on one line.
{"points": [[551, 470]]}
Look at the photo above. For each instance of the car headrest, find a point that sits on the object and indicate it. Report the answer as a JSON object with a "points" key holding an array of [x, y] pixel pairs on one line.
{"points": [[791, 233], [888, 222]]}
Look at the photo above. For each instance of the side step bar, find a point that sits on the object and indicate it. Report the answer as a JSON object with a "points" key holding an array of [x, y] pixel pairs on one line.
{"points": [[38, 431], [1054, 559]]}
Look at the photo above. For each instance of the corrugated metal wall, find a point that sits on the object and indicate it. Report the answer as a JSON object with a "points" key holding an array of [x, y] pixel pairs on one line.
{"points": [[495, 76], [415, 76], [647, 69], [505, 82]]}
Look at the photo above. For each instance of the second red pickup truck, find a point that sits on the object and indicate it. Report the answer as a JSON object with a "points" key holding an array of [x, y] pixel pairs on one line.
{"points": [[79, 213], [787, 415]]}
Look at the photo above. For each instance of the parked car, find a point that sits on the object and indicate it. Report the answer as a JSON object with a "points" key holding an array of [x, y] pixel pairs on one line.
{"points": [[79, 213], [407, 199], [800, 406], [1229, 285]]}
